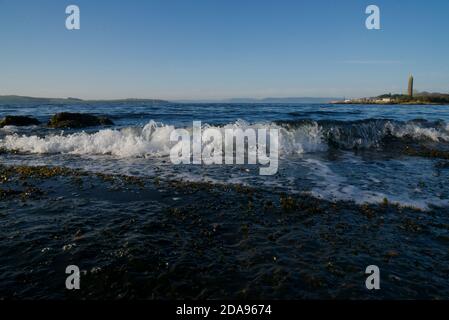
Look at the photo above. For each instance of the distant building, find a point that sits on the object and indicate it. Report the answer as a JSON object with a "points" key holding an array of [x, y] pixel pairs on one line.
{"points": [[410, 86]]}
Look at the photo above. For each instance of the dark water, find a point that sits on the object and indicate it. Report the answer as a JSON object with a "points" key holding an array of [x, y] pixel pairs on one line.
{"points": [[367, 185], [339, 152]]}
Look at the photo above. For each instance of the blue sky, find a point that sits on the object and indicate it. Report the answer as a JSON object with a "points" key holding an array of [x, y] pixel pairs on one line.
{"points": [[213, 49]]}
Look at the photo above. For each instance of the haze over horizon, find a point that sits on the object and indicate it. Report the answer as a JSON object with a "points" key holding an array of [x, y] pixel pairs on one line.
{"points": [[221, 50]]}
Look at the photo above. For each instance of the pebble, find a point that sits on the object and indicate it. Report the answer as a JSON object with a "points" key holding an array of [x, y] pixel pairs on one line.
{"points": [[68, 247]]}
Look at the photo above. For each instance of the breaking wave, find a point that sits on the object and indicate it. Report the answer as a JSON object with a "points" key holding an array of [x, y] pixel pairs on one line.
{"points": [[375, 133], [296, 137], [127, 142]]}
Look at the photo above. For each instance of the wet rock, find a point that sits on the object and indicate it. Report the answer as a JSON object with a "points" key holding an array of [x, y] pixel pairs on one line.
{"points": [[77, 120], [19, 121], [391, 254], [287, 203], [68, 247], [78, 235], [5, 193], [29, 193]]}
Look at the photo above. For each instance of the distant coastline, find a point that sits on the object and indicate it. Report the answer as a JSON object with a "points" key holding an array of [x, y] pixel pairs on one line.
{"points": [[423, 98], [386, 99], [274, 100], [15, 99]]}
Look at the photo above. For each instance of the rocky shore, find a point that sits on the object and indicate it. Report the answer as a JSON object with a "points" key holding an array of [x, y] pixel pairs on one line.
{"points": [[59, 121], [149, 238]]}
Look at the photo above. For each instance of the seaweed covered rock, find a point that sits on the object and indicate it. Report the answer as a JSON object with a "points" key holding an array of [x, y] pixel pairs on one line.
{"points": [[77, 120], [19, 121]]}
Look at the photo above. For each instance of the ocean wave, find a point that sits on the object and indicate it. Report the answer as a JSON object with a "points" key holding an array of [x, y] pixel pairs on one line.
{"points": [[151, 140], [296, 137], [127, 142], [375, 133]]}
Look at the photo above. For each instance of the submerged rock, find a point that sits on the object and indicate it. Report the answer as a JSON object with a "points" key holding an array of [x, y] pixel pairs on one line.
{"points": [[19, 121], [77, 120]]}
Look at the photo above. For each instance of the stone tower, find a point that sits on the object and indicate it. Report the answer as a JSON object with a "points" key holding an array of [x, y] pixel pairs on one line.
{"points": [[410, 86]]}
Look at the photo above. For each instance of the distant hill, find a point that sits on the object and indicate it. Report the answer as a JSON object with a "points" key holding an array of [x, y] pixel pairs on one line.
{"points": [[265, 100], [12, 99]]}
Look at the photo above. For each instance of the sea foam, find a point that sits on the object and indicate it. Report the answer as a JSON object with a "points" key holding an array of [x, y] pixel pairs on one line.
{"points": [[154, 138], [151, 140]]}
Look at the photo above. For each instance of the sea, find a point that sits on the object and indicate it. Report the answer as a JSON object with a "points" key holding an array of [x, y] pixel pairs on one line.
{"points": [[355, 155], [337, 152]]}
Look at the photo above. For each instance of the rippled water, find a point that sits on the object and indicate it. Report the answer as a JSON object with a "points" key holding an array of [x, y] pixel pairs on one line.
{"points": [[341, 152], [357, 185]]}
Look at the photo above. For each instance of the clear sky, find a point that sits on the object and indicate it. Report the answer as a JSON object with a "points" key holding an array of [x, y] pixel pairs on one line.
{"points": [[213, 49]]}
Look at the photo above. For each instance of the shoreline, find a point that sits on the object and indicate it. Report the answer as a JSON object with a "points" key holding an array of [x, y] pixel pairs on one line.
{"points": [[148, 238], [419, 103]]}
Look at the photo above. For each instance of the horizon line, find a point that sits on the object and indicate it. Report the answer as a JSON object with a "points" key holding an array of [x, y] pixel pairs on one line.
{"points": [[165, 99]]}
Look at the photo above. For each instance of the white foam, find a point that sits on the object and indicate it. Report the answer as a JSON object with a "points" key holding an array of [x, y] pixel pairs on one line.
{"points": [[9, 129], [333, 187], [128, 142], [416, 132], [307, 138], [151, 140]]}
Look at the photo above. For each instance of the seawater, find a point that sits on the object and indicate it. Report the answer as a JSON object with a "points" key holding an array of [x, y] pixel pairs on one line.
{"points": [[335, 152]]}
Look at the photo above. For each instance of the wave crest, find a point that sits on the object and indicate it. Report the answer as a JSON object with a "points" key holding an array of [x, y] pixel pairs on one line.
{"points": [[127, 142], [295, 137]]}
